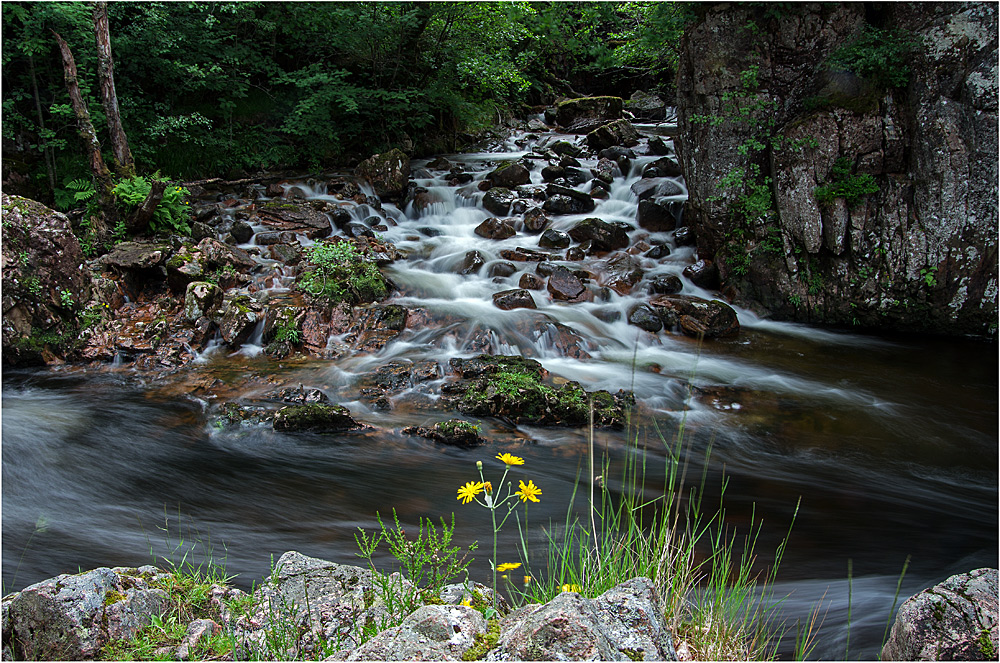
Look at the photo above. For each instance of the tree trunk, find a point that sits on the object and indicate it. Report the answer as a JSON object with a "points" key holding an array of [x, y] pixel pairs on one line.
{"points": [[124, 164], [138, 221], [50, 166], [102, 175]]}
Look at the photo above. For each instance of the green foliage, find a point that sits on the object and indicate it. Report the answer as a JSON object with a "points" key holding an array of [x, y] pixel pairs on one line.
{"points": [[928, 274], [288, 331], [66, 299], [845, 185], [429, 561], [172, 212], [881, 56], [336, 271]]}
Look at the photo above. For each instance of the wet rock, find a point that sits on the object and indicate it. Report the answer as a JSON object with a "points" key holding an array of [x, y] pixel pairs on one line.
{"points": [[704, 274], [657, 252], [564, 200], [646, 106], [358, 229], [493, 228], [509, 175], [602, 235], [487, 365], [71, 617], [657, 146], [502, 269], [530, 282], [270, 238], [663, 167], [685, 236], [498, 200], [697, 317], [579, 115], [455, 432], [575, 254], [654, 216], [621, 273], [666, 284], [535, 220], [955, 620], [645, 317], [606, 170], [563, 285], [512, 299], [439, 163], [656, 188], [619, 132], [241, 232], [286, 253], [625, 623], [552, 173], [388, 173], [202, 299], [554, 239], [239, 319], [473, 262], [294, 217], [373, 328], [521, 254], [315, 417], [564, 147]]}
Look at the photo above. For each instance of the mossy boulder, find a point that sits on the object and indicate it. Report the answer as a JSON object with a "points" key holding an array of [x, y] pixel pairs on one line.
{"points": [[514, 389], [586, 114], [316, 417]]}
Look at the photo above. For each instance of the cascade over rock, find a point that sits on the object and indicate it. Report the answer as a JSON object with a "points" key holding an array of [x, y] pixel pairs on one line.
{"points": [[920, 253]]}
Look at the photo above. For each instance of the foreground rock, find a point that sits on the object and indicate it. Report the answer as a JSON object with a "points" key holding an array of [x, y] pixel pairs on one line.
{"points": [[625, 623], [955, 620], [71, 617]]}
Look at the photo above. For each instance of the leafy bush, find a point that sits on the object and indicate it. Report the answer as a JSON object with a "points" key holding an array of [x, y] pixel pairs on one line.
{"points": [[882, 56], [845, 185], [171, 212], [338, 272]]}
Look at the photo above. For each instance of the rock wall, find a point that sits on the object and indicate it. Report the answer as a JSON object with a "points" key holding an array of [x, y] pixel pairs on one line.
{"points": [[764, 116]]}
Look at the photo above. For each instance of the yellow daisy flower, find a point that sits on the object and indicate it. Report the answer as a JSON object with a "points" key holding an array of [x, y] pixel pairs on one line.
{"points": [[507, 566], [510, 460], [529, 491], [467, 492], [571, 588]]}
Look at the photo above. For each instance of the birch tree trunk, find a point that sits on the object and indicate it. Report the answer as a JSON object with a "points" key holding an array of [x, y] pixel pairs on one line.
{"points": [[124, 164]]}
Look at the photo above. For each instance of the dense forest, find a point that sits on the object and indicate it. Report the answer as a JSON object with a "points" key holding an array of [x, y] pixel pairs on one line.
{"points": [[228, 88]]}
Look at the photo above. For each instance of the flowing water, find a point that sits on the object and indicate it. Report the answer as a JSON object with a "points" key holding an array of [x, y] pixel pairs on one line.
{"points": [[890, 443]]}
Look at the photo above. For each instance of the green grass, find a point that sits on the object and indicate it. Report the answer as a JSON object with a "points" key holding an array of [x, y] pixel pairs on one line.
{"points": [[717, 604]]}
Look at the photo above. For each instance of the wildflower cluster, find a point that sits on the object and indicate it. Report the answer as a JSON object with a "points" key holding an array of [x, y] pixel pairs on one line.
{"points": [[492, 500]]}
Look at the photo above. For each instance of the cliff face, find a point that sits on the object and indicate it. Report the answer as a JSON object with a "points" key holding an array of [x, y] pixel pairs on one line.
{"points": [[830, 195]]}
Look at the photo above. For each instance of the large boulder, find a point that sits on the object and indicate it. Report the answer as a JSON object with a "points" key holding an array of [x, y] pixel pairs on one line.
{"points": [[697, 317], [917, 253], [587, 113], [955, 620], [315, 417], [564, 200], [603, 236], [388, 173], [45, 282], [619, 132], [625, 623], [431, 633], [71, 617], [285, 216], [646, 106], [509, 174]]}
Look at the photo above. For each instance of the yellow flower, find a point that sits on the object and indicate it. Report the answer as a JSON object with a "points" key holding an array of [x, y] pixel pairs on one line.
{"points": [[467, 603], [571, 588], [469, 491], [527, 580], [510, 460], [507, 566], [528, 492], [488, 487]]}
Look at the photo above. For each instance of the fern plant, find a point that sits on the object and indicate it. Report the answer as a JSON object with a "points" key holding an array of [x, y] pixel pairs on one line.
{"points": [[172, 212]]}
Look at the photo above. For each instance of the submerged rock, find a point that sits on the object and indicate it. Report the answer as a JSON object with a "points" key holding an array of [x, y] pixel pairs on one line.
{"points": [[697, 317]]}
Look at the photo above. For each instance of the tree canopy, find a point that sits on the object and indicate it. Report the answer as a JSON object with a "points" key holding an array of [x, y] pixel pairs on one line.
{"points": [[223, 88]]}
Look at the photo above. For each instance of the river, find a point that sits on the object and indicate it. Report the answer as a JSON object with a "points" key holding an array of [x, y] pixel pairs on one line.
{"points": [[888, 443]]}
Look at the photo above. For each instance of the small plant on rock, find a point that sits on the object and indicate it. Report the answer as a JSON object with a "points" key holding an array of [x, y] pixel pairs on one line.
{"points": [[338, 272]]}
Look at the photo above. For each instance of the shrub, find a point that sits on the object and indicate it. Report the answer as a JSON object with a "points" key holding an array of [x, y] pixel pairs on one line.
{"points": [[881, 56], [171, 212], [845, 185], [338, 272]]}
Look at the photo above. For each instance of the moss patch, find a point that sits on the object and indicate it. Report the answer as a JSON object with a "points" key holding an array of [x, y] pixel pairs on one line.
{"points": [[484, 642]]}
